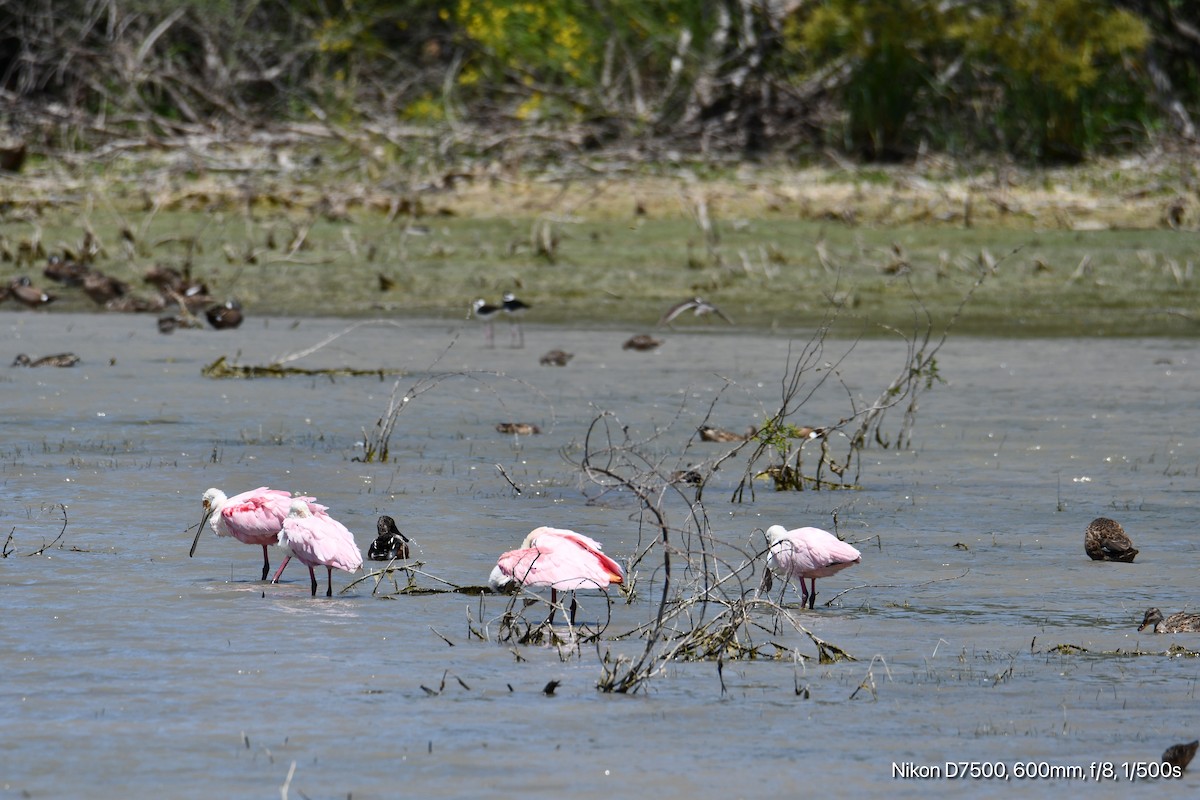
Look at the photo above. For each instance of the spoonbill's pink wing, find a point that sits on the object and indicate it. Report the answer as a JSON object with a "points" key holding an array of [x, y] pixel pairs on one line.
{"points": [[585, 543], [812, 553], [321, 540], [558, 565], [255, 517]]}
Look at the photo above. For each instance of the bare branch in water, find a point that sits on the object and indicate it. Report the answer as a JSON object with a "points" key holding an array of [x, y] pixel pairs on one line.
{"points": [[46, 547]]}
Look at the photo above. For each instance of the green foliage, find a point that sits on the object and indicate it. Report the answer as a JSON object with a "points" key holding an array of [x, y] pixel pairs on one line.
{"points": [[880, 79], [887, 47], [1063, 63]]}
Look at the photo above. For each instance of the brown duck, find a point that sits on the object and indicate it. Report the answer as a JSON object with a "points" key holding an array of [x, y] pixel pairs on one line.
{"points": [[642, 342], [518, 428], [1106, 540], [556, 358], [1176, 623], [226, 315], [26, 293], [1180, 755], [56, 360]]}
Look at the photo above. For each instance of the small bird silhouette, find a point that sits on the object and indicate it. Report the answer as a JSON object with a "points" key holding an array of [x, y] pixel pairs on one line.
{"points": [[697, 305], [103, 288], [1180, 755], [25, 293], [65, 271], [224, 316], [642, 342], [486, 312], [556, 358], [56, 360], [710, 434], [516, 309], [518, 428]]}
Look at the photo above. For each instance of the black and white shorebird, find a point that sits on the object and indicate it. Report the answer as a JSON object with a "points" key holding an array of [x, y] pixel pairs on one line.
{"points": [[697, 306], [515, 309], [486, 312], [390, 543]]}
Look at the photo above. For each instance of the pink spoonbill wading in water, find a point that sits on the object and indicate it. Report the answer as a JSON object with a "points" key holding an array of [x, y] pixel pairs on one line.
{"points": [[253, 517], [807, 553], [560, 559], [319, 540]]}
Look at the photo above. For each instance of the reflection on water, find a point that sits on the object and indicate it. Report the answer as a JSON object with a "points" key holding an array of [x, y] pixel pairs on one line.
{"points": [[132, 670]]}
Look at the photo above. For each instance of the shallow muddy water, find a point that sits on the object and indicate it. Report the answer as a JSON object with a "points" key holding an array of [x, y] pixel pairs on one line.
{"points": [[132, 670]]}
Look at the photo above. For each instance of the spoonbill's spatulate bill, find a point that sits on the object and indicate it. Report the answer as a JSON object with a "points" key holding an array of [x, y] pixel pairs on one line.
{"points": [[253, 517]]}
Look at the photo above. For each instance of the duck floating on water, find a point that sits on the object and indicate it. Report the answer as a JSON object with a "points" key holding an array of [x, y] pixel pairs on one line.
{"points": [[1106, 540], [56, 360], [1181, 622]]}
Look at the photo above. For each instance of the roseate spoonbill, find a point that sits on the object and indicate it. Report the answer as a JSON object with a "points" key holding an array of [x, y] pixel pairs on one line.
{"points": [[560, 559], [697, 306], [1176, 623], [1106, 540], [515, 309], [807, 553], [642, 342], [253, 517], [390, 543], [319, 539], [486, 312]]}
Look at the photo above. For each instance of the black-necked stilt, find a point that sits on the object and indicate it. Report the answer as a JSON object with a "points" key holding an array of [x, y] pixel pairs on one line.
{"points": [[486, 312], [515, 308], [556, 358], [641, 342], [698, 306], [57, 360], [226, 315]]}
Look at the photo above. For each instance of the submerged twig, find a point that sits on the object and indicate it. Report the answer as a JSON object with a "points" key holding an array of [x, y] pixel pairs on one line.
{"points": [[46, 547]]}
